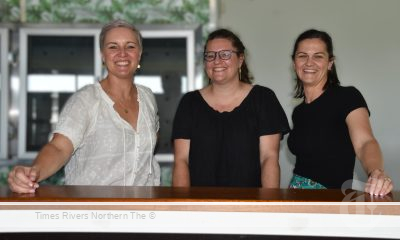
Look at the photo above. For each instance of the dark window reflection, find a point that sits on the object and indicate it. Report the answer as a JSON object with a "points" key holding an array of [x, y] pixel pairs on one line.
{"points": [[49, 59], [165, 58], [61, 54]]}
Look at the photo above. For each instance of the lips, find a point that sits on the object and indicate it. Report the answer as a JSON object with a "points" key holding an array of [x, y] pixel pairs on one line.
{"points": [[219, 69], [122, 63], [309, 70]]}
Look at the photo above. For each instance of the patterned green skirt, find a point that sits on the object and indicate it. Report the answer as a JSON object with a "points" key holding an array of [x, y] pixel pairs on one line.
{"points": [[299, 182]]}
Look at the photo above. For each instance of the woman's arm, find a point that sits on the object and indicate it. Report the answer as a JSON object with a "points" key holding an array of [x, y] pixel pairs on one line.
{"points": [[269, 160], [180, 175], [368, 151], [49, 160]]}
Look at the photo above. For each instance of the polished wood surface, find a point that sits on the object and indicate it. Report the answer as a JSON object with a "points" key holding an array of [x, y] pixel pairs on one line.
{"points": [[202, 199], [193, 194]]}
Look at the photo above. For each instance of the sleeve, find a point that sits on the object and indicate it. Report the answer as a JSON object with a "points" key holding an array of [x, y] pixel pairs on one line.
{"points": [[74, 119], [154, 108], [272, 117], [151, 106], [352, 100], [183, 120]]}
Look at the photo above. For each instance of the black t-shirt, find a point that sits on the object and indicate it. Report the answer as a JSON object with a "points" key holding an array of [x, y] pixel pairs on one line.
{"points": [[320, 138], [224, 147]]}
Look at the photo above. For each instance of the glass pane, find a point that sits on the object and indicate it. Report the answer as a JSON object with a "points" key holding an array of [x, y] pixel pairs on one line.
{"points": [[164, 70], [57, 67]]}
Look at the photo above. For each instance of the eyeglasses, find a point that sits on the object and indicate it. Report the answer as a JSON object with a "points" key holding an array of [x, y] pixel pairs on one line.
{"points": [[223, 54]]}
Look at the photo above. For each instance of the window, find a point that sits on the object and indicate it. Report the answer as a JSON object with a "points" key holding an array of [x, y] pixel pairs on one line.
{"points": [[170, 67], [55, 62]]}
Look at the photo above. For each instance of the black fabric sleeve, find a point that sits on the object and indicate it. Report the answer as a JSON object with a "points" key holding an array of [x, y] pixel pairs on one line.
{"points": [[352, 99], [272, 117], [183, 119]]}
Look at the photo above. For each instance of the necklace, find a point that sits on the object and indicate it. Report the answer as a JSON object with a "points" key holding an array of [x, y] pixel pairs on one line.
{"points": [[123, 106], [119, 101]]}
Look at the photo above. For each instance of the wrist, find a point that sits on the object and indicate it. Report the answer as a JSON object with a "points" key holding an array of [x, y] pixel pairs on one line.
{"points": [[375, 169]]}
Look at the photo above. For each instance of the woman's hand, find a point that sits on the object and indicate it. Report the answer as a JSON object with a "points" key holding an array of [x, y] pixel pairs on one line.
{"points": [[378, 183], [23, 179]]}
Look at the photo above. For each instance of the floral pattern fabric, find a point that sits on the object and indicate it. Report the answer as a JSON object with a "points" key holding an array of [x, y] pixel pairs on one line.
{"points": [[299, 182]]}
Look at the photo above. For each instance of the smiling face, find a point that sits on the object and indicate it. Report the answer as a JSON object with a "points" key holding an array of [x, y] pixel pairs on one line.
{"points": [[121, 52], [220, 70], [312, 62]]}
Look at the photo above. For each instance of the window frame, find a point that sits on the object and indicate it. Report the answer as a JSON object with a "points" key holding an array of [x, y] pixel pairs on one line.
{"points": [[4, 93], [41, 30]]}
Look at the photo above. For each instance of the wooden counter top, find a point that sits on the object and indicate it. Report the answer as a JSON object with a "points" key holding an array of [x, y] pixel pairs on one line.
{"points": [[193, 194], [202, 199]]}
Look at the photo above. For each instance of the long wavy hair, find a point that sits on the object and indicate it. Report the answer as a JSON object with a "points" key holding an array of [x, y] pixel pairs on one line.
{"points": [[244, 74], [333, 79]]}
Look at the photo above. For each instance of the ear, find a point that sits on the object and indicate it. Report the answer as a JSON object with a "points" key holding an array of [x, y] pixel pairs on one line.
{"points": [[330, 64], [241, 60]]}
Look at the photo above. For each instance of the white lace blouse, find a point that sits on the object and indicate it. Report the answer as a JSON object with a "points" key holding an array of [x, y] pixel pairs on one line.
{"points": [[107, 149]]}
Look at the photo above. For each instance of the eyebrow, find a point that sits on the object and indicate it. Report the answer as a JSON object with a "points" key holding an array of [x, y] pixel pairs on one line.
{"points": [[324, 53], [129, 42]]}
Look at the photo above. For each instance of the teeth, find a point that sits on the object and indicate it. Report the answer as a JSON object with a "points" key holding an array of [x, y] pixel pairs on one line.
{"points": [[124, 63]]}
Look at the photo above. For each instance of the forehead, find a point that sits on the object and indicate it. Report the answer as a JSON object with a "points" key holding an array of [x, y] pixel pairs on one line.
{"points": [[219, 44], [312, 44], [120, 33]]}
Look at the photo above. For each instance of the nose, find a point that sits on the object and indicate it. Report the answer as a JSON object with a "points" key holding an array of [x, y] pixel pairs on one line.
{"points": [[217, 58], [122, 52], [309, 61]]}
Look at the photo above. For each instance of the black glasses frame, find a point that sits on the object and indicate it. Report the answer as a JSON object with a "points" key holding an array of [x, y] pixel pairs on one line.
{"points": [[223, 54]]}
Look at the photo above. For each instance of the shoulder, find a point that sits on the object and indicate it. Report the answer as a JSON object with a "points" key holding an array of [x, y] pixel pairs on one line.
{"points": [[145, 90], [346, 92], [191, 96], [147, 95], [190, 101], [88, 93], [262, 93], [262, 90], [349, 98]]}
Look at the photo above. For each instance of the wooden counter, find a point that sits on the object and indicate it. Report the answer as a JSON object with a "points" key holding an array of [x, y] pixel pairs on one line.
{"points": [[237, 211], [204, 199]]}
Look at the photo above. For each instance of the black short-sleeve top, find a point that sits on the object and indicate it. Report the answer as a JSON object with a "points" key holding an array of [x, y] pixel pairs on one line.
{"points": [[224, 146], [320, 138]]}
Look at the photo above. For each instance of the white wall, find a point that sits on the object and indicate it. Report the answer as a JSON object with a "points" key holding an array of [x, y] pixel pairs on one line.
{"points": [[366, 38]]}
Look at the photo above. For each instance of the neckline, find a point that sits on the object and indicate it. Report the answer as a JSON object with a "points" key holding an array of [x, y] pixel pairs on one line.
{"points": [[234, 109], [318, 99], [109, 99]]}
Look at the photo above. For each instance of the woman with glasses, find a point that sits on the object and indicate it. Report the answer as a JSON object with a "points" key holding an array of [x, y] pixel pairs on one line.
{"points": [[228, 133]]}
